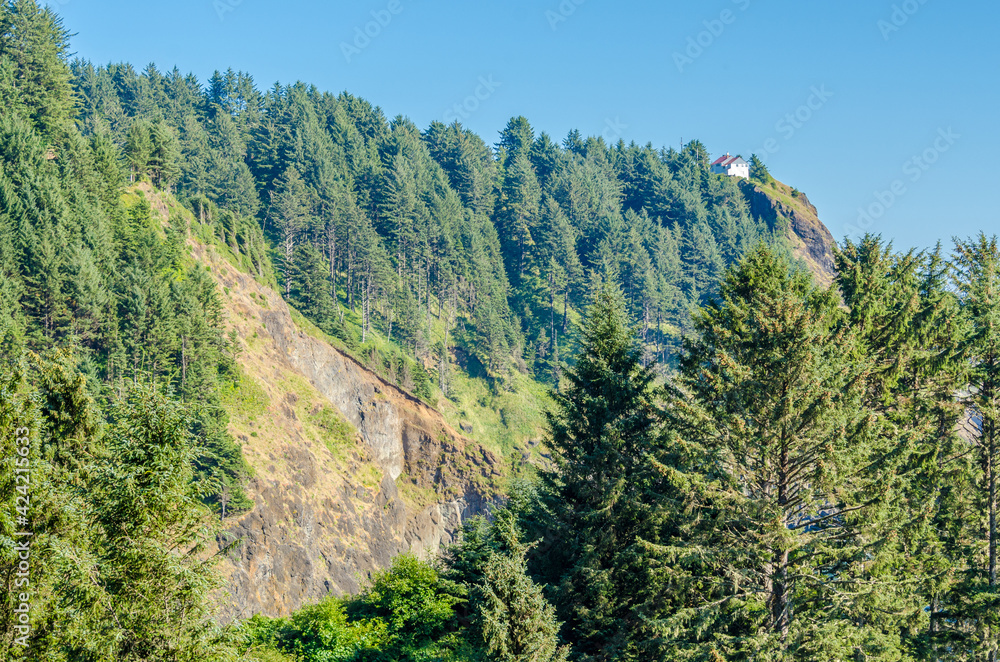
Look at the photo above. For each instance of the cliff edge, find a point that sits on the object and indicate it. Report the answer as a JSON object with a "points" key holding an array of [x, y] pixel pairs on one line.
{"points": [[781, 205], [348, 469]]}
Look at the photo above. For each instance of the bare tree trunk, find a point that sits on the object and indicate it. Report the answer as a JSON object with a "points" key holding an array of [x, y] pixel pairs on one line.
{"points": [[780, 600], [331, 245], [289, 248], [184, 361], [350, 275]]}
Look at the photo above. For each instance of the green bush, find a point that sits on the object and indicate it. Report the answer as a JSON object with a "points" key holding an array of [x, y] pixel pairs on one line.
{"points": [[317, 633], [411, 598]]}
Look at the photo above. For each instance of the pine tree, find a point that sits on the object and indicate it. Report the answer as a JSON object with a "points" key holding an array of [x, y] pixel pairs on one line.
{"points": [[908, 318], [603, 436], [519, 215], [516, 623], [292, 210], [759, 172], [164, 159], [137, 597], [977, 276], [805, 478], [139, 149], [310, 286], [34, 40], [516, 139]]}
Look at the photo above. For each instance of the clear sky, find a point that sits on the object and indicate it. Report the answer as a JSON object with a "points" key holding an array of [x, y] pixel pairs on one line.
{"points": [[883, 105]]}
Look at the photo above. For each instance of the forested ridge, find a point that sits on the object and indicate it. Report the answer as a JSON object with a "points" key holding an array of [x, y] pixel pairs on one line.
{"points": [[429, 233], [744, 464]]}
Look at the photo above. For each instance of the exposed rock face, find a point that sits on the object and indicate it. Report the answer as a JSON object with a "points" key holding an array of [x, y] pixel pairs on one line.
{"points": [[810, 239], [325, 518]]}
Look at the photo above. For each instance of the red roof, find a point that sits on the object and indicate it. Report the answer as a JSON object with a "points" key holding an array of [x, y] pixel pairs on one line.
{"points": [[725, 160]]}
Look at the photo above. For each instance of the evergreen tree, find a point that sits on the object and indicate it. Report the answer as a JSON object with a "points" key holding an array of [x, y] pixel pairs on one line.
{"points": [[909, 321], [34, 40], [977, 276], [804, 477], [603, 436], [164, 158], [516, 622], [310, 285], [292, 211], [516, 139], [139, 593], [759, 172], [519, 214], [139, 149]]}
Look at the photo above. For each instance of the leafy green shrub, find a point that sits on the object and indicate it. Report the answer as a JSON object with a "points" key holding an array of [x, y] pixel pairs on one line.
{"points": [[411, 597], [322, 633], [316, 633]]}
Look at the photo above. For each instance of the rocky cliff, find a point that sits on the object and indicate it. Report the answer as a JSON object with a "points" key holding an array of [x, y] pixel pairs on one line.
{"points": [[781, 205], [349, 470]]}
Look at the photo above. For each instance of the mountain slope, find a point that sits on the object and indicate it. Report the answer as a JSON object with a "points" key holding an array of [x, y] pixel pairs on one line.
{"points": [[781, 205], [348, 469]]}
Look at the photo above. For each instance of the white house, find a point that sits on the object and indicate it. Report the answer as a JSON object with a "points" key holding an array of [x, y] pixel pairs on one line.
{"points": [[734, 166]]}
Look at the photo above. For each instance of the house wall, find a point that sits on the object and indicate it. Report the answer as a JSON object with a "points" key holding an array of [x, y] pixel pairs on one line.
{"points": [[736, 170], [740, 170]]}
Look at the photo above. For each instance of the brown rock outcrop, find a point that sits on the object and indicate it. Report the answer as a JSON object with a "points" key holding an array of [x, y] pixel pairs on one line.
{"points": [[810, 239], [328, 515]]}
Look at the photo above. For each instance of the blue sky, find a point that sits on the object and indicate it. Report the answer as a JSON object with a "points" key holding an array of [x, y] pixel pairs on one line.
{"points": [[886, 106]]}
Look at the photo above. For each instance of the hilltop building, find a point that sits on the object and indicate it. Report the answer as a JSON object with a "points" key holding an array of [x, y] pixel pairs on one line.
{"points": [[734, 166]]}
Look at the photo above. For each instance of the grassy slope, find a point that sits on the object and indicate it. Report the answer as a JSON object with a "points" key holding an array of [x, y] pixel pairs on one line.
{"points": [[509, 423], [792, 202]]}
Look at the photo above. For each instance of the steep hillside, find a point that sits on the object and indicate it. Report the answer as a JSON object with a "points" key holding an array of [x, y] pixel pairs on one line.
{"points": [[348, 470], [779, 204]]}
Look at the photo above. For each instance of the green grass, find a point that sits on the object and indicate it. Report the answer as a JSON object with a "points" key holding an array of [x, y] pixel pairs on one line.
{"points": [[786, 194], [245, 399], [337, 432], [500, 420]]}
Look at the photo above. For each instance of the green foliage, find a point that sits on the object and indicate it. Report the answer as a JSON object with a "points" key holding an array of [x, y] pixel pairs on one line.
{"points": [[118, 570], [410, 598], [140, 593], [338, 433], [317, 633], [34, 44], [516, 622], [775, 398], [976, 276], [759, 172], [600, 499], [818, 480], [406, 613], [435, 237]]}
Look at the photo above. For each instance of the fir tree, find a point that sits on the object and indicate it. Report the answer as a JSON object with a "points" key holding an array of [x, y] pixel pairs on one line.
{"points": [[34, 40], [516, 622], [977, 276], [603, 436]]}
